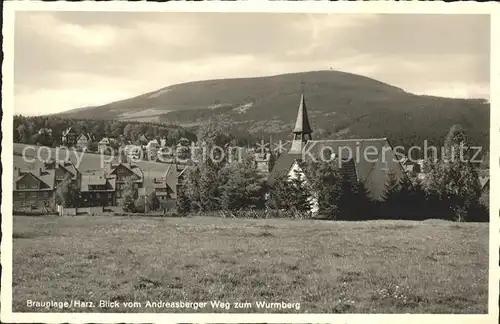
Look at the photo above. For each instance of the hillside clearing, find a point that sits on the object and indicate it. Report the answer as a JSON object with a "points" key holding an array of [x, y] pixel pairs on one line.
{"points": [[350, 267]]}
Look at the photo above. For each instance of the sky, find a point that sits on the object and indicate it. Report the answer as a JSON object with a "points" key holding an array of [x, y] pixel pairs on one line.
{"points": [[67, 60]]}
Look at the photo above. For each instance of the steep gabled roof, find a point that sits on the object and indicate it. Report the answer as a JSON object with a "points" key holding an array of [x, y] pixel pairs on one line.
{"points": [[484, 182], [282, 166], [105, 140], [87, 136], [68, 166], [171, 177], [67, 131], [111, 168], [347, 169], [46, 177], [351, 152]]}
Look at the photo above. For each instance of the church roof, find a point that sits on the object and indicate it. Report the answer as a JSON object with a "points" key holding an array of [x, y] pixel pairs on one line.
{"points": [[355, 149], [302, 123], [352, 152], [282, 166]]}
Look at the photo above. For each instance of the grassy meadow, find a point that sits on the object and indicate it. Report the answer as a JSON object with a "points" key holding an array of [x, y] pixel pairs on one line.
{"points": [[328, 267]]}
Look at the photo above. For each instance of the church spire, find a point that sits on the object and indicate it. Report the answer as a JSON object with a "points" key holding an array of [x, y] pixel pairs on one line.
{"points": [[302, 131], [302, 125]]}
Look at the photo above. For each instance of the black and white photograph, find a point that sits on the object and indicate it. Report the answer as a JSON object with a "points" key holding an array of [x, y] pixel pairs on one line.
{"points": [[271, 163]]}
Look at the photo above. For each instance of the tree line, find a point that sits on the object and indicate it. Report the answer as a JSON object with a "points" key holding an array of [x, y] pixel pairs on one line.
{"points": [[47, 130]]}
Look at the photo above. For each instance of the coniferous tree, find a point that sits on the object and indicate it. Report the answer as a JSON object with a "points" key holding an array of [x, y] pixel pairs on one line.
{"points": [[326, 185], [290, 193], [182, 203], [355, 202], [391, 207], [68, 193], [242, 186], [128, 196], [454, 179], [152, 202]]}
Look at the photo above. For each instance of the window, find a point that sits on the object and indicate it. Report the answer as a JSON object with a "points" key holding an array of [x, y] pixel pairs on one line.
{"points": [[21, 186], [22, 195], [98, 195]]}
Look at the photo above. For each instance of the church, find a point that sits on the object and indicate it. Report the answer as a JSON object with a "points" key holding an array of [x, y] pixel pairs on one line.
{"points": [[369, 161]]}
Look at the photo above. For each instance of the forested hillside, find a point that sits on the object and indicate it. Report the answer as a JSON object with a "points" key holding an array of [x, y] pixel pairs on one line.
{"points": [[341, 105]]}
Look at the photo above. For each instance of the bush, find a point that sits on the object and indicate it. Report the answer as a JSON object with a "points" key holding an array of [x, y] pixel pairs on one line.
{"points": [[478, 213], [263, 213], [139, 205], [34, 213], [288, 194]]}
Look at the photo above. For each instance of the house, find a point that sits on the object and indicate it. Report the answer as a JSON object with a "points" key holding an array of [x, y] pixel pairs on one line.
{"points": [[166, 155], [165, 188], [84, 140], [183, 150], [152, 147], [369, 161], [37, 187], [103, 144], [183, 142], [45, 131], [124, 173], [98, 189], [63, 169], [133, 152], [68, 137], [33, 188]]}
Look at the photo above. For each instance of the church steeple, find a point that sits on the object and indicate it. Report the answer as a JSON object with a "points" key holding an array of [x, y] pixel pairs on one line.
{"points": [[302, 131]]}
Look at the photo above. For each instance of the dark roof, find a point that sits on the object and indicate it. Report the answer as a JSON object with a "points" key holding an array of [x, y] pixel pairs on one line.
{"points": [[98, 179], [282, 166], [67, 131], [171, 176], [68, 166], [354, 166], [484, 182], [110, 168], [47, 177], [347, 149], [302, 123]]}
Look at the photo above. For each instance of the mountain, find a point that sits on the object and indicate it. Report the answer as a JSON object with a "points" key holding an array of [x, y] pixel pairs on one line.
{"points": [[341, 105]]}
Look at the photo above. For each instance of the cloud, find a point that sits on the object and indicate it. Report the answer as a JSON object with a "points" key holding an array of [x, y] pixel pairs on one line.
{"points": [[65, 60]]}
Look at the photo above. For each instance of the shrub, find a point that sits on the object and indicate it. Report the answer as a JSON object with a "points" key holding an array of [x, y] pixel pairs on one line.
{"points": [[139, 205]]}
